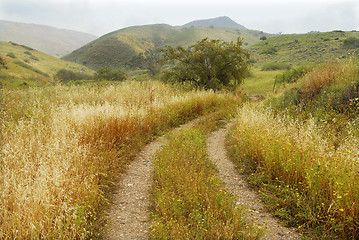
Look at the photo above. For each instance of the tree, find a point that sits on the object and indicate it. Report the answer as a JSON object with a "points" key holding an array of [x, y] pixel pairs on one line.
{"points": [[263, 38], [211, 64], [147, 60]]}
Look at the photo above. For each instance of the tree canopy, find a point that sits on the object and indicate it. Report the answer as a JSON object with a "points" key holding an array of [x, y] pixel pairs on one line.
{"points": [[211, 64]]}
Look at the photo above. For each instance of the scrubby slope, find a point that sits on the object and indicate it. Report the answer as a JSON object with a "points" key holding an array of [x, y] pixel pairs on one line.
{"points": [[26, 63], [304, 48]]}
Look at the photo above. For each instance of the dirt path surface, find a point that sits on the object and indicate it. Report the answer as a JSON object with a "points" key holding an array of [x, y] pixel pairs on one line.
{"points": [[129, 217], [237, 185]]}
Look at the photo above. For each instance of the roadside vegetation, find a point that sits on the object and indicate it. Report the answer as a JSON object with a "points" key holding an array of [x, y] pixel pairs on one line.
{"points": [[63, 147], [67, 132], [300, 150], [190, 201]]}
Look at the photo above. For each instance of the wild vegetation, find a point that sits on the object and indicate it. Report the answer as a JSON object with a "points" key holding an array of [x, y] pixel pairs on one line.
{"points": [[63, 147], [190, 201], [300, 150], [209, 64]]}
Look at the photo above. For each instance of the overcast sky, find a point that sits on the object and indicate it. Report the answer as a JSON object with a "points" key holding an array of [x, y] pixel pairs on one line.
{"points": [[102, 16]]}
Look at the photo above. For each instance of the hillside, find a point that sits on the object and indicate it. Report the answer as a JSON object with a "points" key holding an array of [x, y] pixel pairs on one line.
{"points": [[26, 63], [307, 48], [215, 22], [116, 49], [50, 40]]}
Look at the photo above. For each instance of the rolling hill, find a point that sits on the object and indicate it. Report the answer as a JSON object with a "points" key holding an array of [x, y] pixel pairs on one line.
{"points": [[301, 49], [25, 63], [116, 49], [50, 40]]}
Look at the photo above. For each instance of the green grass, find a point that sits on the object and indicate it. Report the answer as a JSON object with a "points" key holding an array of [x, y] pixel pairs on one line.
{"points": [[260, 82], [190, 201], [302, 49], [31, 66]]}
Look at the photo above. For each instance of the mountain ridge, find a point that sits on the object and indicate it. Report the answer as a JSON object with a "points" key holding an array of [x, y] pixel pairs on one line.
{"points": [[51, 40], [223, 21]]}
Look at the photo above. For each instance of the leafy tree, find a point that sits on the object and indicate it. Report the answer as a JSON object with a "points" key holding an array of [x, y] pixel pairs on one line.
{"points": [[147, 60], [110, 75], [2, 63], [263, 38], [211, 64]]}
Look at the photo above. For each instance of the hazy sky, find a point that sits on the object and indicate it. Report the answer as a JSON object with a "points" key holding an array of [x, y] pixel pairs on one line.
{"points": [[102, 16]]}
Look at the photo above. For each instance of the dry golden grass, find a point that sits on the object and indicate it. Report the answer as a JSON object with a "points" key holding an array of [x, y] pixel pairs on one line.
{"points": [[62, 147], [315, 184]]}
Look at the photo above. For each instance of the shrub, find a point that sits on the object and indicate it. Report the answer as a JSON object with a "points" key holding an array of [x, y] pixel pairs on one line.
{"points": [[269, 50], [11, 54], [65, 75], [110, 75], [291, 76], [275, 66], [351, 42]]}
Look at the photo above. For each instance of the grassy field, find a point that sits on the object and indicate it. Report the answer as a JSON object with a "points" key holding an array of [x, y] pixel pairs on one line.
{"points": [[63, 147]]}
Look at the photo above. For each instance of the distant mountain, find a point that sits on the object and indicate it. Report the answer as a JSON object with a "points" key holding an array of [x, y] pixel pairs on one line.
{"points": [[224, 22], [119, 48], [50, 40]]}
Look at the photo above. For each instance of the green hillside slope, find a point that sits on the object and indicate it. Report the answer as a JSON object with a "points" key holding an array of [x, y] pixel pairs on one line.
{"points": [[25, 63], [308, 48], [116, 49]]}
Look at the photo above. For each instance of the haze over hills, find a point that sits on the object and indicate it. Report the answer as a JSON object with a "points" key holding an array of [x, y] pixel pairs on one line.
{"points": [[118, 48], [50, 40]]}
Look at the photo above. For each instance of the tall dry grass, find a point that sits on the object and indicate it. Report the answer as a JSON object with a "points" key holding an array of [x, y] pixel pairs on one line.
{"points": [[304, 177], [62, 148]]}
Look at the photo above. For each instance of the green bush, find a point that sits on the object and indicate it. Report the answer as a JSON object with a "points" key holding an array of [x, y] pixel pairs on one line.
{"points": [[65, 76], [11, 54], [269, 50], [351, 42], [291, 76], [275, 66], [110, 75]]}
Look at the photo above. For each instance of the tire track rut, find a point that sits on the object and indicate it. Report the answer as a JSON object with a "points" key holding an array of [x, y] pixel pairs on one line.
{"points": [[237, 185]]}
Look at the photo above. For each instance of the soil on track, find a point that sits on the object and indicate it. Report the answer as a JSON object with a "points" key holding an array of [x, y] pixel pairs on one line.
{"points": [[129, 216], [237, 185]]}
